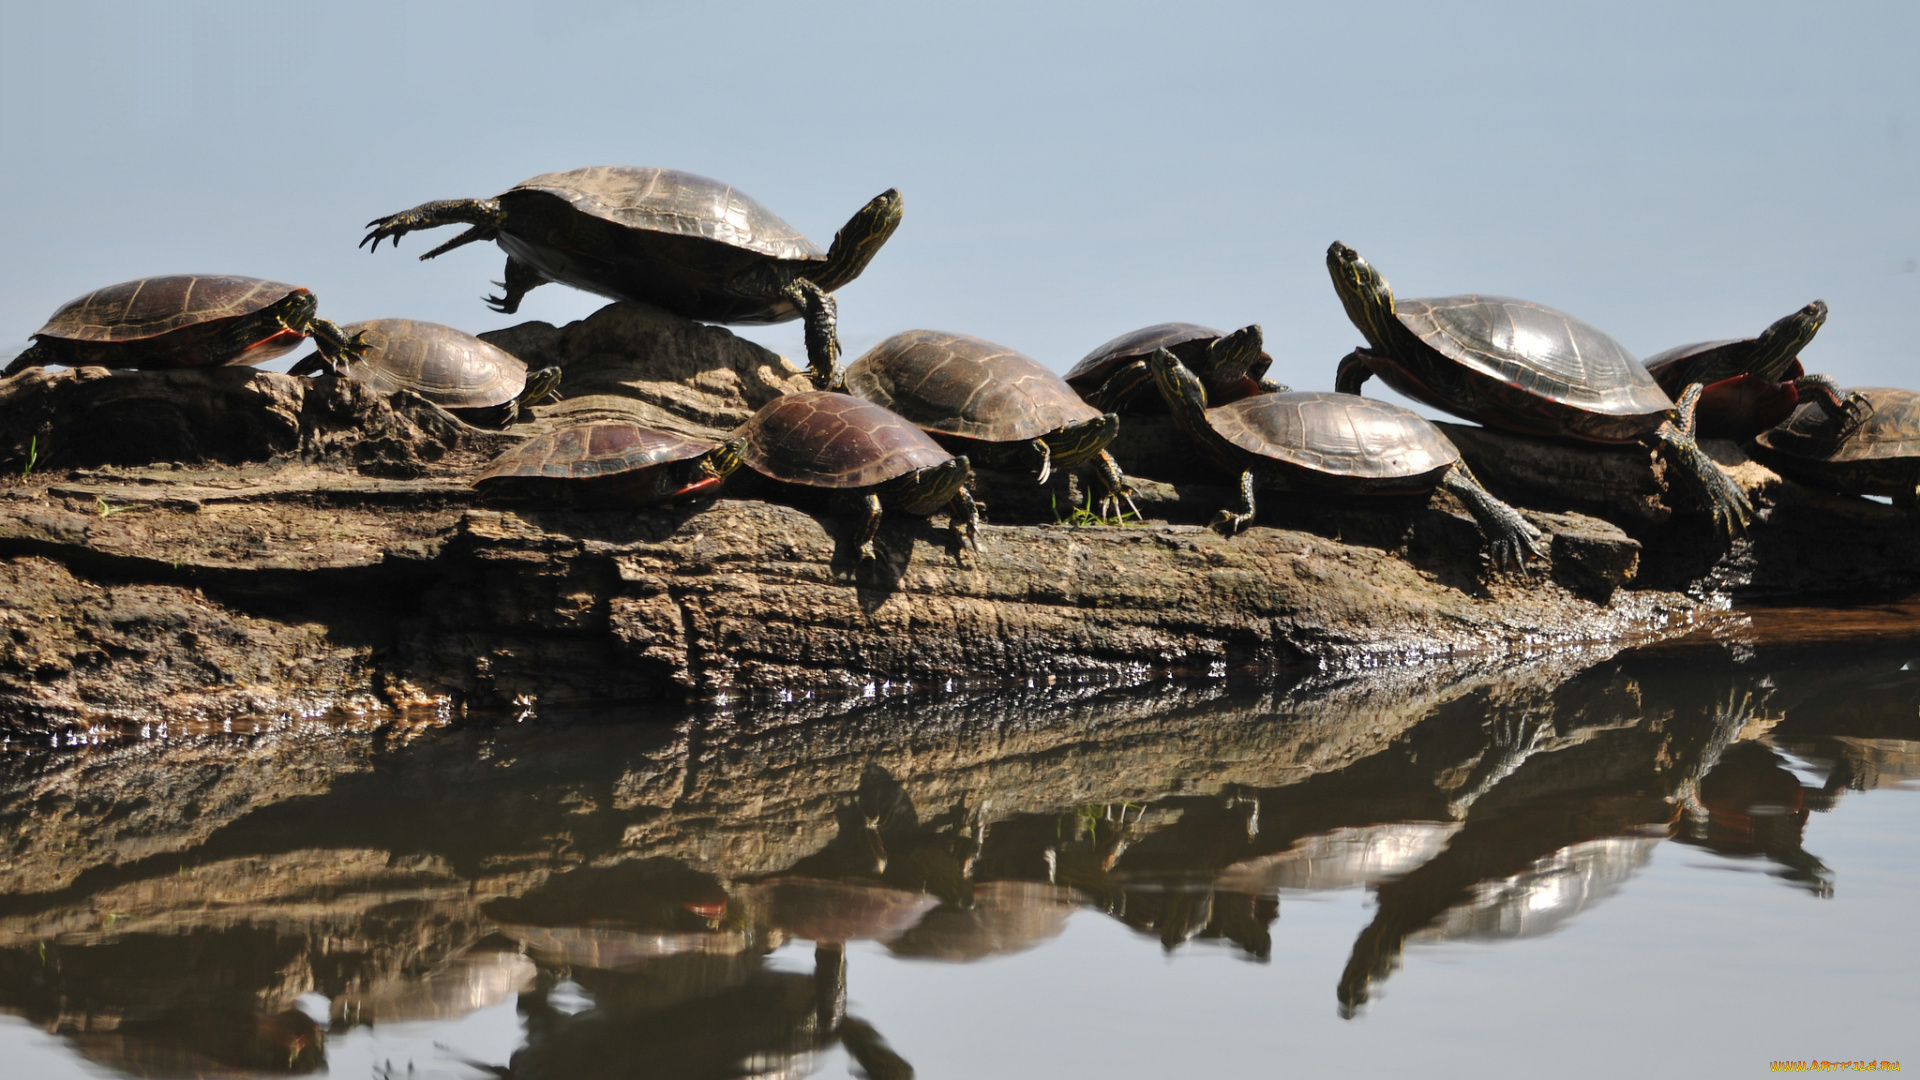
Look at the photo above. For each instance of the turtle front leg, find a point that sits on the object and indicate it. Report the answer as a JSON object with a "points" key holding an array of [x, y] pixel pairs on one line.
{"points": [[1846, 411], [1114, 488], [963, 518], [822, 316], [542, 385], [1045, 454], [521, 279], [1352, 372], [335, 347], [1710, 485], [1514, 542], [485, 215], [1230, 520], [870, 528]]}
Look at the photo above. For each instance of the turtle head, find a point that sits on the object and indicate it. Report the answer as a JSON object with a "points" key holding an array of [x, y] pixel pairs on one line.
{"points": [[1363, 292], [542, 385], [723, 460], [1077, 443], [1234, 355], [1778, 345], [855, 245], [1185, 394]]}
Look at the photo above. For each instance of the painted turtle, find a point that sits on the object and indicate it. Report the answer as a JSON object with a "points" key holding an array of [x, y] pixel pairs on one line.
{"points": [[609, 463], [824, 442], [697, 247], [1233, 366], [481, 383], [1874, 451], [1000, 408], [1750, 384], [185, 320], [1524, 367], [1333, 443]]}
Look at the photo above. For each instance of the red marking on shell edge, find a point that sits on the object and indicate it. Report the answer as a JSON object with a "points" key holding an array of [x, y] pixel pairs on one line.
{"points": [[1743, 406], [706, 909], [280, 340], [695, 488]]}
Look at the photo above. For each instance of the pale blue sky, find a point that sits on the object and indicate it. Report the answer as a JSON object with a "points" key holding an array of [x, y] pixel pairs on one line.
{"points": [[1670, 173]]}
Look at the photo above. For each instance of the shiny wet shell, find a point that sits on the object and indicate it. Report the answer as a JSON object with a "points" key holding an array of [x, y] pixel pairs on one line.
{"points": [[1335, 434], [831, 440], [448, 367], [150, 307], [961, 385]]}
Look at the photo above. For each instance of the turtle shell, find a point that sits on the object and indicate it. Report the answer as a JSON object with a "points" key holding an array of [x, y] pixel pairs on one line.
{"points": [[1890, 432], [588, 451], [448, 367], [1337, 435], [1537, 350], [151, 307], [1096, 366], [960, 385], [677, 203], [829, 440]]}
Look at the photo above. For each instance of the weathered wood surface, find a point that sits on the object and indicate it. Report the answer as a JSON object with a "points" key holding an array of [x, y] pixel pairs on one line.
{"points": [[233, 543]]}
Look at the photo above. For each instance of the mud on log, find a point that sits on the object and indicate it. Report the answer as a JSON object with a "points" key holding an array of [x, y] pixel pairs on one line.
{"points": [[232, 543]]}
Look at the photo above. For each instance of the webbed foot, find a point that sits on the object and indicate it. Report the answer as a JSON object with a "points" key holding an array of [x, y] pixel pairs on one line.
{"points": [[484, 215], [1711, 486]]}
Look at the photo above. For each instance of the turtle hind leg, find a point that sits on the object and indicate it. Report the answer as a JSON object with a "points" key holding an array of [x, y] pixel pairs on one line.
{"points": [[1515, 543], [485, 215], [963, 518], [1710, 485], [34, 356], [1231, 519], [521, 279], [1352, 372], [822, 315], [1845, 410]]}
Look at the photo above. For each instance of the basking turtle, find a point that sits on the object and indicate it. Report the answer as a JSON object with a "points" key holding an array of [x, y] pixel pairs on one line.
{"points": [[185, 320], [1524, 367], [851, 449], [999, 407], [697, 247], [1233, 366], [1750, 384], [478, 382], [609, 463], [1873, 450], [1334, 443]]}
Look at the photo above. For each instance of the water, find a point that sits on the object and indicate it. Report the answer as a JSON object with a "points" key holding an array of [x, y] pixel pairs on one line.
{"points": [[1698, 857]]}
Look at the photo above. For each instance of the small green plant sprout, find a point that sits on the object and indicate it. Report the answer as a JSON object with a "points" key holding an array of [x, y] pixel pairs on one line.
{"points": [[105, 508], [33, 457], [1080, 517]]}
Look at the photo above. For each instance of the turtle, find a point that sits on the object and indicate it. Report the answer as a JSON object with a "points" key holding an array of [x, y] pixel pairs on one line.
{"points": [[822, 441], [478, 382], [1750, 384], [1333, 443], [696, 247], [609, 463], [1000, 408], [1524, 367], [1233, 366], [185, 320], [1872, 450]]}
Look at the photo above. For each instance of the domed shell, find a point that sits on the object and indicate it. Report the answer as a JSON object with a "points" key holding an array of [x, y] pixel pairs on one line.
{"points": [[1335, 434], [1892, 430], [149, 307], [1544, 352], [1094, 368], [588, 451], [829, 440], [448, 367], [960, 385], [680, 203]]}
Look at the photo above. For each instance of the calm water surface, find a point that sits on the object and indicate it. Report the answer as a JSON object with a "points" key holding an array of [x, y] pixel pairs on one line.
{"points": [[1698, 858]]}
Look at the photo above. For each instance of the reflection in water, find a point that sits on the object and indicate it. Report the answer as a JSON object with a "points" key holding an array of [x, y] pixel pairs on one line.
{"points": [[626, 885]]}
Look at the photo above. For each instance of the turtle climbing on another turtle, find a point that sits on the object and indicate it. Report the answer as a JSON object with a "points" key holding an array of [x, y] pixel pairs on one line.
{"points": [[480, 383], [1524, 367], [185, 320], [1339, 444], [609, 463], [998, 407], [1750, 384], [1112, 378], [824, 443], [1874, 449], [696, 247]]}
